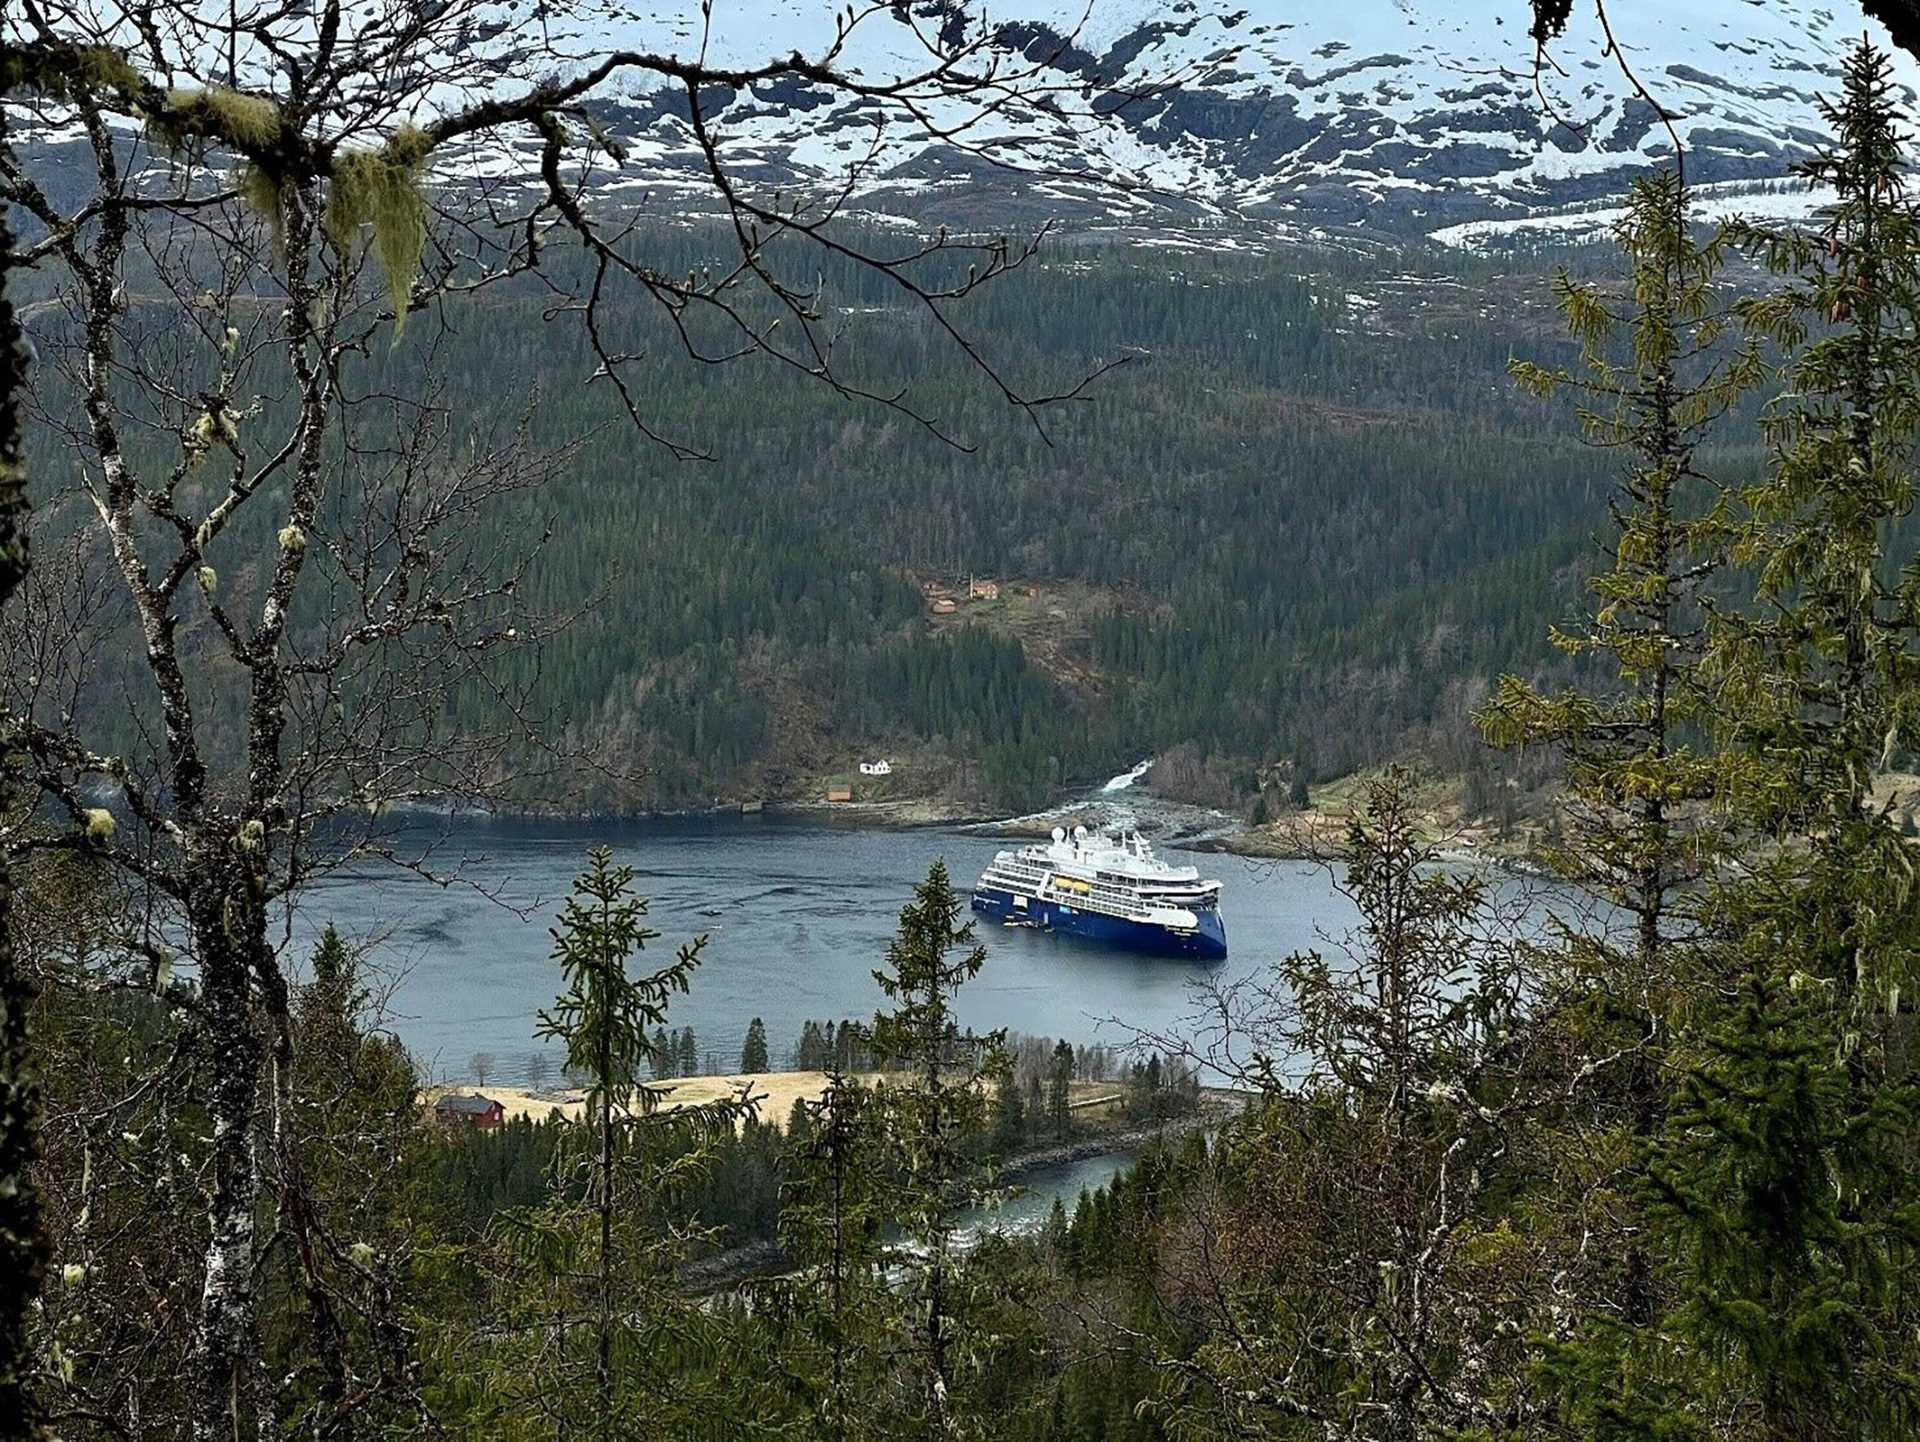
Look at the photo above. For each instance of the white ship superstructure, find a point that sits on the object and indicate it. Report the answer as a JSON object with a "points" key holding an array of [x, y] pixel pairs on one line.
{"points": [[1107, 887]]}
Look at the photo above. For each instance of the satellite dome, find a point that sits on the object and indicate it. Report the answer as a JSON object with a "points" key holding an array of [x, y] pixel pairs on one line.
{"points": [[1059, 833], [1079, 833]]}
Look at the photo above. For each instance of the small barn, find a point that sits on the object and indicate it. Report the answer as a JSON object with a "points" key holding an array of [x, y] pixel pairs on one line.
{"points": [[839, 793], [470, 1110], [944, 606]]}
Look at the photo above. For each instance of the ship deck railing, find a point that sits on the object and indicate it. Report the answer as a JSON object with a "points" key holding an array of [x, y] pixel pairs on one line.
{"points": [[1125, 908]]}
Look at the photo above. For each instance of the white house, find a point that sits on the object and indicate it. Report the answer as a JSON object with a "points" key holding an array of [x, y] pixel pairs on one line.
{"points": [[876, 768]]}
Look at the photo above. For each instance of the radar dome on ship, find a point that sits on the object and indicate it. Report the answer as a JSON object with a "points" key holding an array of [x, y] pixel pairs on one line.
{"points": [[1059, 833]]}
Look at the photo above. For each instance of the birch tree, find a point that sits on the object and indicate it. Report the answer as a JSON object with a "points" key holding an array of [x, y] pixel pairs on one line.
{"points": [[22, 1248], [291, 551]]}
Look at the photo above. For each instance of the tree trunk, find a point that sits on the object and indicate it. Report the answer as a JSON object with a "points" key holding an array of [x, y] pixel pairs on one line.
{"points": [[283, 1143], [228, 921], [22, 1240]]}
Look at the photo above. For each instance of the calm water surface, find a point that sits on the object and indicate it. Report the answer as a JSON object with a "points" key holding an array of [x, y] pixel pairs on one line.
{"points": [[797, 913], [1030, 1200]]}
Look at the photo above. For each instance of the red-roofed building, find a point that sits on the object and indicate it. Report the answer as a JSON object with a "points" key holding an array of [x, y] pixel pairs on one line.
{"points": [[472, 1110]]}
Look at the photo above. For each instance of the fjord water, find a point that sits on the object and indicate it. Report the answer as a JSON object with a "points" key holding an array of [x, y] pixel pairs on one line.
{"points": [[797, 912]]}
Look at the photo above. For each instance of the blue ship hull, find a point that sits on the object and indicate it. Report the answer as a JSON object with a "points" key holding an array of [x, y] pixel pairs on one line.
{"points": [[1208, 942]]}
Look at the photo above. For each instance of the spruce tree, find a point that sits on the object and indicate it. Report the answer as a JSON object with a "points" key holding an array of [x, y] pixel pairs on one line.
{"points": [[1819, 682], [1009, 1115], [941, 1100], [1786, 1177], [1786, 1194], [1658, 369], [753, 1052], [1636, 785], [837, 1306], [592, 1317], [1779, 1189], [1059, 1089]]}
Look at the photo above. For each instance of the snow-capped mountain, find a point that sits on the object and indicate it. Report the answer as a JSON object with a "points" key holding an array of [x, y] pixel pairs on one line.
{"points": [[1411, 115], [1400, 116]]}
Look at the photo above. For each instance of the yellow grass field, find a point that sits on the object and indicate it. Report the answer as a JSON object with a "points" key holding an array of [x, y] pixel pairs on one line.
{"points": [[775, 1093]]}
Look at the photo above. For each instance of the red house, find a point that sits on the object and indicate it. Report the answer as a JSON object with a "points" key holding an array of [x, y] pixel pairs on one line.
{"points": [[473, 1111]]}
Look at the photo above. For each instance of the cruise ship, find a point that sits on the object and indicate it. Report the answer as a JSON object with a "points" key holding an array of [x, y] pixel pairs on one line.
{"points": [[1107, 888]]}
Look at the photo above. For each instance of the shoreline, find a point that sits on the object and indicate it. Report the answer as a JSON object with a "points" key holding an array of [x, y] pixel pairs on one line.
{"points": [[1316, 836]]}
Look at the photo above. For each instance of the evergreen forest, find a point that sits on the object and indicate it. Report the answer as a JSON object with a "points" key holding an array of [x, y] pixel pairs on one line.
{"points": [[1305, 519], [350, 535]]}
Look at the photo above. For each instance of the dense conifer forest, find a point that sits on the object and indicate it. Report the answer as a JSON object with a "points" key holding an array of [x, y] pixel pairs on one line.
{"points": [[1312, 528], [1312, 519], [1642, 1169]]}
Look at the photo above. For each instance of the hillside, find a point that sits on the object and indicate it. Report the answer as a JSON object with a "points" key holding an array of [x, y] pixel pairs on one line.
{"points": [[1303, 527], [1297, 531], [1305, 522]]}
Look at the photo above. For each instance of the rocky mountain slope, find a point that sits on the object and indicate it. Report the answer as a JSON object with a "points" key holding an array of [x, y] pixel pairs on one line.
{"points": [[1410, 116], [1237, 119]]}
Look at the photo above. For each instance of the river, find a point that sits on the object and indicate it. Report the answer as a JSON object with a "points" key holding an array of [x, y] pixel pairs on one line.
{"points": [[1029, 1201], [797, 912]]}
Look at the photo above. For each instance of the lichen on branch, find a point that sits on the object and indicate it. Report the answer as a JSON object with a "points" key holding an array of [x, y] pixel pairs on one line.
{"points": [[63, 72], [382, 188], [251, 123]]}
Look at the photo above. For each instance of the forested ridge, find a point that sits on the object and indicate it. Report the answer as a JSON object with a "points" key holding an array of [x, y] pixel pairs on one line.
{"points": [[1319, 515], [1312, 530]]}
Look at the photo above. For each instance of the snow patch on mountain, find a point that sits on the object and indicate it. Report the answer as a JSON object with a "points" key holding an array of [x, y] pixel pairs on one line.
{"points": [[1411, 115], [1709, 204], [1206, 117]]}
